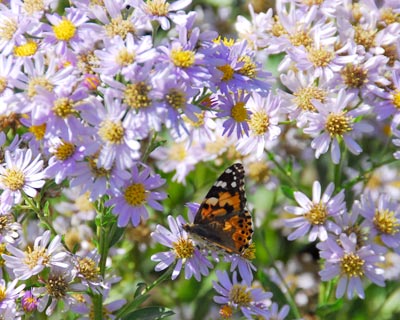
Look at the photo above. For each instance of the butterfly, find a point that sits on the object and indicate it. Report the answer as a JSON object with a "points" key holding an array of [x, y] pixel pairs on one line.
{"points": [[222, 221]]}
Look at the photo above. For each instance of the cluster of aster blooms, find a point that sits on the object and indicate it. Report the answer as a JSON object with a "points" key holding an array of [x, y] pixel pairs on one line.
{"points": [[107, 94]]}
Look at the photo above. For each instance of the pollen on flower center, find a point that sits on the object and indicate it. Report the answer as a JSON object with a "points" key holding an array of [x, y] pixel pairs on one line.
{"points": [[338, 124], [83, 203], [88, 269], [8, 27], [97, 172], [14, 179], [124, 57], [135, 194], [35, 257], [4, 220], [227, 71], [300, 38], [277, 28], [240, 296], [184, 248], [38, 131], [364, 37], [182, 58], [38, 81], [259, 171], [226, 312], [317, 214], [65, 30], [249, 68], [57, 287], [2, 293], [112, 132], [33, 6], [136, 95], [259, 123], [177, 152], [63, 107], [239, 112], [304, 96], [119, 27], [64, 151], [352, 265], [26, 50], [396, 98], [354, 76], [320, 57], [386, 222], [176, 99], [157, 7]]}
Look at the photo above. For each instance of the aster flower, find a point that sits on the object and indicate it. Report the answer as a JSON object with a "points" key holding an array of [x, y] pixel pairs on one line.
{"points": [[44, 254], [112, 133], [88, 271], [183, 252], [352, 265], [313, 214], [58, 286], [65, 159], [390, 103], [382, 219], [240, 296], [29, 301], [334, 122], [276, 314], [234, 107], [243, 264], [9, 229], [20, 174], [159, 10], [263, 124], [9, 293], [130, 200]]}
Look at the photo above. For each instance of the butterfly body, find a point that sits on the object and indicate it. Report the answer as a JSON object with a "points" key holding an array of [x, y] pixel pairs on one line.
{"points": [[222, 221]]}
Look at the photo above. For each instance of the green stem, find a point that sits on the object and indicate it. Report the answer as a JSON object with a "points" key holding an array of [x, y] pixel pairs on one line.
{"points": [[150, 147], [288, 294], [282, 170]]}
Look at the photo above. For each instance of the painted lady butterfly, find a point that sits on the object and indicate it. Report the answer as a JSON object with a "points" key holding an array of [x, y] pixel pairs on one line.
{"points": [[222, 220]]}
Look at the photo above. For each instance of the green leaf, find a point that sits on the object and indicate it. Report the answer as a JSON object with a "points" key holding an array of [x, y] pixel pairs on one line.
{"points": [[329, 308], [149, 313], [288, 192], [140, 287], [119, 232]]}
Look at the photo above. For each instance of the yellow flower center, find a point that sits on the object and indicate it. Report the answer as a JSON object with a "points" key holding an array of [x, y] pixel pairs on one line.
{"points": [[338, 124], [277, 28], [249, 68], [354, 76], [83, 203], [226, 312], [38, 81], [14, 179], [111, 132], [119, 27], [363, 37], [240, 296], [8, 27], [176, 99], [299, 38], [135, 194], [63, 107], [64, 151], [57, 287], [33, 6], [259, 171], [227, 71], [317, 214], [88, 269], [303, 97], [352, 265], [125, 58], [136, 95], [178, 152], [97, 172], [32, 257], [2, 293], [26, 50], [259, 123], [3, 84], [320, 57], [239, 112], [182, 58], [396, 98], [157, 7], [386, 222], [184, 248], [38, 131], [65, 30]]}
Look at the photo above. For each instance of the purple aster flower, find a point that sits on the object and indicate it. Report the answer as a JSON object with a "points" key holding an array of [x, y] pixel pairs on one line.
{"points": [[159, 10], [234, 107], [29, 301], [243, 264], [334, 122], [183, 252], [263, 123], [9, 229], [382, 219], [390, 103], [351, 264], [313, 214], [240, 296], [129, 201], [115, 141], [9, 293], [65, 159], [44, 253], [276, 314], [20, 174]]}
